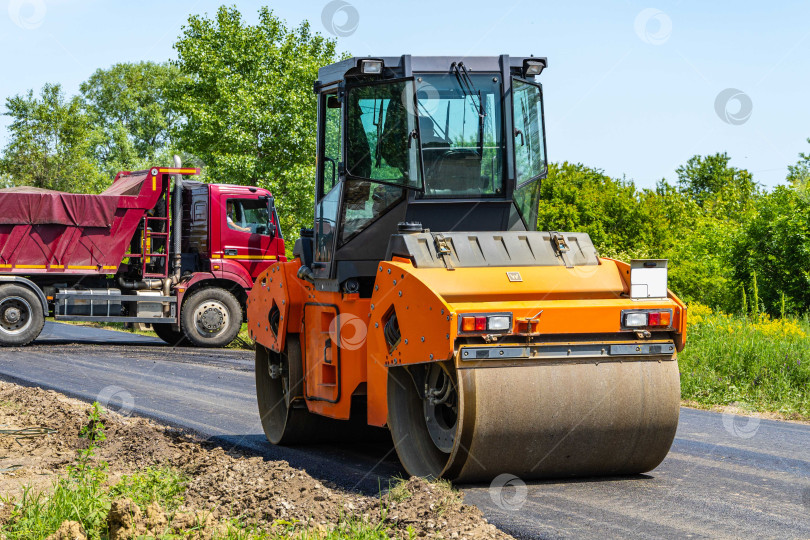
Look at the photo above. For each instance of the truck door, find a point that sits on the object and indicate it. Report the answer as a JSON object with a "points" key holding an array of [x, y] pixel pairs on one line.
{"points": [[248, 231]]}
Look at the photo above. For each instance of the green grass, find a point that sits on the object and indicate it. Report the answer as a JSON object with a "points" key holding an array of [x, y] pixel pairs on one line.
{"points": [[84, 495], [398, 492], [242, 340], [755, 363]]}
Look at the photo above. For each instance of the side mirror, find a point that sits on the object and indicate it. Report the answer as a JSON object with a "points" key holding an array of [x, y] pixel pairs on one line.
{"points": [[332, 102]]}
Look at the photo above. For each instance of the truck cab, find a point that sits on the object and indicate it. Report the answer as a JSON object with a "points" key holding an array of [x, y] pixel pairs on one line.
{"points": [[234, 228]]}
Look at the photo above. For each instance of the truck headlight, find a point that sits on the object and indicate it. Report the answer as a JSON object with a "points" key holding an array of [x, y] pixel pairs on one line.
{"points": [[648, 318]]}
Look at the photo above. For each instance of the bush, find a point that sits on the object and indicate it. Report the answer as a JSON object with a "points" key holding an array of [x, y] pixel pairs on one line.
{"points": [[758, 361]]}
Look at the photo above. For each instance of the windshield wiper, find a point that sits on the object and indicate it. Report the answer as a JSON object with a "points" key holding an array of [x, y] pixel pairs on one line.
{"points": [[468, 87]]}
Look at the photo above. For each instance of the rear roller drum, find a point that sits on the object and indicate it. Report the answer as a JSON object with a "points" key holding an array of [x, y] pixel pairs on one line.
{"points": [[279, 382], [547, 420]]}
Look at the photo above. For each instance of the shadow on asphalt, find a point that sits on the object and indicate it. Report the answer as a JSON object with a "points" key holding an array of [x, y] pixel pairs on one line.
{"points": [[571, 481]]}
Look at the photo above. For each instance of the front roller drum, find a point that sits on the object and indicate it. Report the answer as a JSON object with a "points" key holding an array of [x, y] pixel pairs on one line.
{"points": [[550, 420]]}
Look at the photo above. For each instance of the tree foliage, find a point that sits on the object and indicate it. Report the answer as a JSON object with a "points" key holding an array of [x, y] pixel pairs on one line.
{"points": [[690, 224], [129, 104], [247, 104], [710, 179], [774, 250], [50, 144]]}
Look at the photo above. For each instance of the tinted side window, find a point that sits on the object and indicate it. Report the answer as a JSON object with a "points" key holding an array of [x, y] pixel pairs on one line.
{"points": [[363, 203], [381, 140], [530, 154], [331, 141]]}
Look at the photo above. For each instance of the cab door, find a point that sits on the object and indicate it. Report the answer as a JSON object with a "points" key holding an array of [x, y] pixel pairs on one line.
{"points": [[329, 183], [248, 230]]}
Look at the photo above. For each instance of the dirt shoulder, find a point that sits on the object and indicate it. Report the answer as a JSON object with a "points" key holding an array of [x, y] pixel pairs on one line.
{"points": [[219, 486], [743, 411]]}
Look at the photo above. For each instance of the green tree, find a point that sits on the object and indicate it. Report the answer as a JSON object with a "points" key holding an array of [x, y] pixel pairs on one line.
{"points": [[799, 174], [713, 184], [775, 246], [51, 142], [626, 222], [620, 219], [247, 103], [129, 103]]}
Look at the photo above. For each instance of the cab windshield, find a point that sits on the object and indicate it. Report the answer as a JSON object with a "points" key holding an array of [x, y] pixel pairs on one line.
{"points": [[460, 121], [460, 144]]}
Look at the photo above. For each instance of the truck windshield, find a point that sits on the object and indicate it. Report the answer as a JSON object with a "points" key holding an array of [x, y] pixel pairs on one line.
{"points": [[460, 127]]}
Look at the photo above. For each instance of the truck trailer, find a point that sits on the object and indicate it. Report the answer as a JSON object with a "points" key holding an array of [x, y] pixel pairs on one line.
{"points": [[180, 258]]}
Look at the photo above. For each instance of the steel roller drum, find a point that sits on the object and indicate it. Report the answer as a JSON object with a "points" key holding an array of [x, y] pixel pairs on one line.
{"points": [[547, 420]]}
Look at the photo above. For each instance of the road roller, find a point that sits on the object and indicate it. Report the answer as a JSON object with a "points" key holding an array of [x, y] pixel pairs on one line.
{"points": [[425, 301]]}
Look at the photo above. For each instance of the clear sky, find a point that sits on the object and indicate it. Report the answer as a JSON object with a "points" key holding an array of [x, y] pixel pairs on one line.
{"points": [[632, 87]]}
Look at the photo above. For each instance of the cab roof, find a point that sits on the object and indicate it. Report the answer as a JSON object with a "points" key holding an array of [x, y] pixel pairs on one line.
{"points": [[406, 65]]}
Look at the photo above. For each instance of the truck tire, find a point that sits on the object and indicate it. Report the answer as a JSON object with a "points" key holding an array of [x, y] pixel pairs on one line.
{"points": [[21, 316], [175, 338], [211, 317]]}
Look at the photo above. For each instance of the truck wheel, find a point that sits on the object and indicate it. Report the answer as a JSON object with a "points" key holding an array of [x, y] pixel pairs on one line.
{"points": [[175, 338], [21, 316], [211, 317]]}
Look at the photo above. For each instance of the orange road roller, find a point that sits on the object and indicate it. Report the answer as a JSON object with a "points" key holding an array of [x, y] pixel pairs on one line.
{"points": [[424, 299]]}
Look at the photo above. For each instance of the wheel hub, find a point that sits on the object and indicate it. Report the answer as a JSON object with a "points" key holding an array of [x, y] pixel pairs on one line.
{"points": [[211, 318], [15, 315], [441, 407], [12, 315]]}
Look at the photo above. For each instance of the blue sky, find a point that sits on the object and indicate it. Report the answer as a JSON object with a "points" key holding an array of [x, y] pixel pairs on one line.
{"points": [[631, 86]]}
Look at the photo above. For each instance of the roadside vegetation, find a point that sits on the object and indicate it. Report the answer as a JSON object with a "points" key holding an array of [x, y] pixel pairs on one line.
{"points": [[754, 363], [91, 499], [739, 256]]}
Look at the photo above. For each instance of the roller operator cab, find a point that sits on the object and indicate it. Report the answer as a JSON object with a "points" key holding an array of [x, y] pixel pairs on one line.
{"points": [[424, 299]]}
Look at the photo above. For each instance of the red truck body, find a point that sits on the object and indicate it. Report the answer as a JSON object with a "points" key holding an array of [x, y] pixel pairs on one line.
{"points": [[66, 247]]}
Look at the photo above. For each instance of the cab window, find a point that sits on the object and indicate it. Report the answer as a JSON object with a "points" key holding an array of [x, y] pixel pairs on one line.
{"points": [[381, 134], [249, 216], [331, 142], [530, 147], [363, 203]]}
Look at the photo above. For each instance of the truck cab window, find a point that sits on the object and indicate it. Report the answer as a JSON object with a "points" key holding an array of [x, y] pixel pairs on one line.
{"points": [[249, 216], [364, 202]]}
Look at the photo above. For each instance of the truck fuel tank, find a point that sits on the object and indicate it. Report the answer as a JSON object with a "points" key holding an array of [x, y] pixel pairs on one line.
{"points": [[65, 304]]}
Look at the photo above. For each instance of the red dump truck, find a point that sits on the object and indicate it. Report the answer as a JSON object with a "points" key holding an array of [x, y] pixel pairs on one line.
{"points": [[182, 259]]}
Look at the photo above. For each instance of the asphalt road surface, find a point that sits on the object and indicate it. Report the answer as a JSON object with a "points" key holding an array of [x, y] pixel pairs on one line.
{"points": [[726, 476]]}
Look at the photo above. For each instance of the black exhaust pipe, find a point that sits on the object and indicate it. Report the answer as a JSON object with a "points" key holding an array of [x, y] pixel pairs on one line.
{"points": [[177, 221]]}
